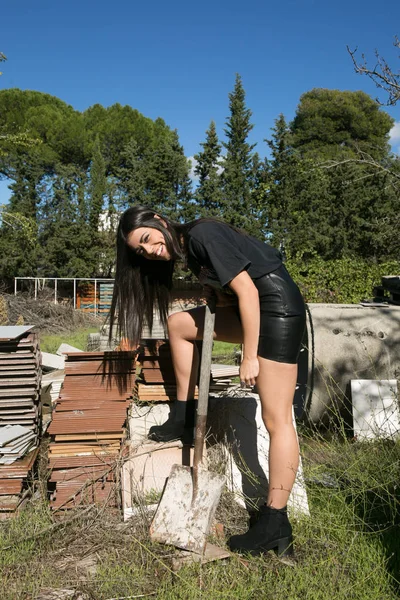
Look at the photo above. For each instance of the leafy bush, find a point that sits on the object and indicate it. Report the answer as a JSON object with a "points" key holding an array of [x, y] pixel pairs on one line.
{"points": [[343, 281]]}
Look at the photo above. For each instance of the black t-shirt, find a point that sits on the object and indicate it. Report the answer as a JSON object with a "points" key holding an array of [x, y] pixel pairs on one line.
{"points": [[217, 253]]}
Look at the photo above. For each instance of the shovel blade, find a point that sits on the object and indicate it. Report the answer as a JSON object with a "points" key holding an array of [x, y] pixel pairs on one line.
{"points": [[180, 520]]}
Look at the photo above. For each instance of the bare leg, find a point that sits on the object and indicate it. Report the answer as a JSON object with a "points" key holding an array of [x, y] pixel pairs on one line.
{"points": [[276, 385], [183, 329]]}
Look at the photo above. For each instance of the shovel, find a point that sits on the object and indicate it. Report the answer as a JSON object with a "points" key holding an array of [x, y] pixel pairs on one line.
{"points": [[190, 498]]}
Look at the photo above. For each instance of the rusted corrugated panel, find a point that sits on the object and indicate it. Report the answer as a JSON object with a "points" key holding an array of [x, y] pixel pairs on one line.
{"points": [[97, 493], [79, 474], [157, 376], [87, 425], [90, 416], [72, 462], [106, 356], [95, 367], [90, 404], [15, 360], [10, 486]]}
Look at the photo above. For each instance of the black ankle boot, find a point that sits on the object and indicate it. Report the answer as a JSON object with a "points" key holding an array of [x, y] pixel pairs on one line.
{"points": [[167, 432], [178, 426], [272, 531]]}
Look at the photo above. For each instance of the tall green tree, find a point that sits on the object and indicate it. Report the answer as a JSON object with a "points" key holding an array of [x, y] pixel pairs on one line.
{"points": [[86, 169], [97, 187], [132, 175], [208, 169], [237, 164], [330, 134], [338, 123], [281, 166]]}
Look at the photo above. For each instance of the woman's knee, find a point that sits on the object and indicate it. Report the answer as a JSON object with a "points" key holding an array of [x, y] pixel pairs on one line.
{"points": [[182, 324], [276, 424]]}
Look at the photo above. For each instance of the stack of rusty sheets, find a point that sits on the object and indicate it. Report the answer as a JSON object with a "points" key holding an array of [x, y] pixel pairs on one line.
{"points": [[157, 380], [20, 376], [14, 483], [88, 427], [20, 413]]}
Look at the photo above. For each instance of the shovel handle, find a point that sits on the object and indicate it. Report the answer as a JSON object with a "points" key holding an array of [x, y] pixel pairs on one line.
{"points": [[204, 387]]}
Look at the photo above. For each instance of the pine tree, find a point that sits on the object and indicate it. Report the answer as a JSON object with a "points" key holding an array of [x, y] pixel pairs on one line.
{"points": [[97, 187], [281, 168], [209, 193], [237, 165], [131, 175]]}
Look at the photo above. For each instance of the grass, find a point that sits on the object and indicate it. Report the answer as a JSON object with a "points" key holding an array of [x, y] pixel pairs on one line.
{"points": [[224, 352], [78, 339], [345, 550]]}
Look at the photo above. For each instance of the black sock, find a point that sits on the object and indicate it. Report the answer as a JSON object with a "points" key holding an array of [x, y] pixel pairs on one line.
{"points": [[179, 411]]}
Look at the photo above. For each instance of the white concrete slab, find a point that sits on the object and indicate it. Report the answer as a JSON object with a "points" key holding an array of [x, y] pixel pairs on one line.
{"points": [[143, 416], [52, 361], [65, 348], [145, 472], [375, 408]]}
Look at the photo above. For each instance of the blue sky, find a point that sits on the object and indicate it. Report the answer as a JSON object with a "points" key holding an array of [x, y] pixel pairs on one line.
{"points": [[178, 60]]}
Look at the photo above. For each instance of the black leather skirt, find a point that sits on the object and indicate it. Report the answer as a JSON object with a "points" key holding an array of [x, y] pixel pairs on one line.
{"points": [[283, 317]]}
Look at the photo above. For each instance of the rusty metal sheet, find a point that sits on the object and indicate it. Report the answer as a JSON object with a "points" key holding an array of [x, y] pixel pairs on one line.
{"points": [[72, 462], [10, 486], [21, 467], [89, 418]]}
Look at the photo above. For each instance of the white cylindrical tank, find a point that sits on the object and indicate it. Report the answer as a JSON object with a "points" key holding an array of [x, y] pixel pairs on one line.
{"points": [[345, 342]]}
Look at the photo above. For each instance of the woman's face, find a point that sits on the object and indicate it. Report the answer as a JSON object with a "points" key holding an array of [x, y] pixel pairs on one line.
{"points": [[149, 243]]}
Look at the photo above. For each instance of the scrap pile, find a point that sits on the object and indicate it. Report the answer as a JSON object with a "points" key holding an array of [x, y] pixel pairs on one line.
{"points": [[88, 427], [20, 376], [15, 441], [20, 413], [157, 379]]}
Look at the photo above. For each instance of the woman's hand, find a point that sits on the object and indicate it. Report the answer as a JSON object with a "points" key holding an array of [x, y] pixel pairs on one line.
{"points": [[248, 371]]}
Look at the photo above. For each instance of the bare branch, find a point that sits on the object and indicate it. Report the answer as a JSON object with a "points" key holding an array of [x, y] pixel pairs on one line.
{"points": [[382, 74]]}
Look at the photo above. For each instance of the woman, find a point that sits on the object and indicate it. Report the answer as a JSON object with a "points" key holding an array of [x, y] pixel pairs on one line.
{"points": [[258, 305]]}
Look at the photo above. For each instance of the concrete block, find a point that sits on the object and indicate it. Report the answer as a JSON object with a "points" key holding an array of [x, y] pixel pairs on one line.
{"points": [[143, 416], [375, 409], [52, 361], [145, 472], [65, 348], [237, 423]]}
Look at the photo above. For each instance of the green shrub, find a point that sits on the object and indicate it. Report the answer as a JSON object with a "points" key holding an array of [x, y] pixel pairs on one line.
{"points": [[343, 281]]}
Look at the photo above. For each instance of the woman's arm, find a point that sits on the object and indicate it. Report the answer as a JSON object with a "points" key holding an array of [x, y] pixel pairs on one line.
{"points": [[249, 308]]}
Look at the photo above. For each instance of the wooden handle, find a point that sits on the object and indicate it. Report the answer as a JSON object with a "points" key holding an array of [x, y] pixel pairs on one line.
{"points": [[204, 387]]}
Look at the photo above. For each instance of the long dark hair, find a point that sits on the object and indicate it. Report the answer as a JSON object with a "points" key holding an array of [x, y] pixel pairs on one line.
{"points": [[142, 286]]}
